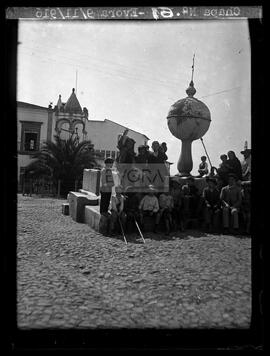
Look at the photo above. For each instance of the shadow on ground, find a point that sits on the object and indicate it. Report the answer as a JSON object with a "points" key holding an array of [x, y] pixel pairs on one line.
{"points": [[160, 236], [136, 239]]}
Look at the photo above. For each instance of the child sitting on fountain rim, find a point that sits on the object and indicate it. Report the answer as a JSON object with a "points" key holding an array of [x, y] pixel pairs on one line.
{"points": [[203, 167]]}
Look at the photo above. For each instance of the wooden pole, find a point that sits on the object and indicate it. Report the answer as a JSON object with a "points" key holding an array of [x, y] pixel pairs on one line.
{"points": [[137, 225], [31, 185], [121, 226], [206, 153], [23, 185]]}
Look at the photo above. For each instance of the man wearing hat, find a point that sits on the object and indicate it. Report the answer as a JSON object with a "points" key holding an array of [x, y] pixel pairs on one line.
{"points": [[212, 203], [125, 145], [246, 204], [231, 200], [157, 155], [149, 206], [131, 206], [142, 155], [246, 164], [106, 184], [117, 209], [191, 198]]}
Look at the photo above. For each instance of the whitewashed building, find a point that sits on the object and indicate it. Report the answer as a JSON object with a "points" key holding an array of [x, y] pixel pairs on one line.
{"points": [[37, 124]]}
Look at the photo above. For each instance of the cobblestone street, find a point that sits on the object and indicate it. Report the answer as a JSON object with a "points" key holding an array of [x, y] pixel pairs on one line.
{"points": [[69, 276]]}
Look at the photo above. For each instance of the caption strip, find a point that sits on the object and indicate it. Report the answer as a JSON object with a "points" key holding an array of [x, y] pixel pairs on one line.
{"points": [[135, 13]]}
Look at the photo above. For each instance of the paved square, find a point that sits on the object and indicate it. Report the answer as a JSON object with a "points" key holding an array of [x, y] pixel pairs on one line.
{"points": [[69, 276]]}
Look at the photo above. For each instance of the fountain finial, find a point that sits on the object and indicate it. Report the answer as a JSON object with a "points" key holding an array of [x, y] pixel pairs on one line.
{"points": [[191, 91]]}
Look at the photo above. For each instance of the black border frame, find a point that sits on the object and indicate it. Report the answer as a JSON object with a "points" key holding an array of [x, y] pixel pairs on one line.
{"points": [[133, 339]]}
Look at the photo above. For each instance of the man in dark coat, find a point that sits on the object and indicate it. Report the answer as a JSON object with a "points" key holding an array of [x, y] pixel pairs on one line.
{"points": [[131, 207], [106, 184], [212, 204], [246, 164], [126, 147], [235, 165], [142, 156], [224, 170], [191, 198]]}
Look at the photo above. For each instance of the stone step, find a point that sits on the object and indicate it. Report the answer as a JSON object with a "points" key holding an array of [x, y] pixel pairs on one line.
{"points": [[65, 208], [92, 216], [77, 201]]}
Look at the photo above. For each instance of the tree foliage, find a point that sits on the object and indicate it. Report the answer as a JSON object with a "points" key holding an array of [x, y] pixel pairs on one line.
{"points": [[64, 160]]}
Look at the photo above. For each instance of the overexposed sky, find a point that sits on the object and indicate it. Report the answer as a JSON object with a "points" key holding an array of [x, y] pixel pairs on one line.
{"points": [[131, 72]]}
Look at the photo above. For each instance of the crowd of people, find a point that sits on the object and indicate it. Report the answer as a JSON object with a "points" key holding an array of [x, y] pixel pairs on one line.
{"points": [[144, 155], [230, 164], [222, 206]]}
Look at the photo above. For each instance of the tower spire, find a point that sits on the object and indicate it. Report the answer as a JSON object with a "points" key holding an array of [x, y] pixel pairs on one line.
{"points": [[59, 103]]}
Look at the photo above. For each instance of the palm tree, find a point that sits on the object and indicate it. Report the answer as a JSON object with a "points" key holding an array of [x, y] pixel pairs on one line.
{"points": [[63, 160]]}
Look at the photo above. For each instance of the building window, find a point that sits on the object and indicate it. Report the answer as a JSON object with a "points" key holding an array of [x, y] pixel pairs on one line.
{"points": [[113, 154], [30, 136], [30, 141], [108, 154], [102, 154]]}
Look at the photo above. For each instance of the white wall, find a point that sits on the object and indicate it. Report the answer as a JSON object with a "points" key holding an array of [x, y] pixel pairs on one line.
{"points": [[104, 134], [34, 115], [23, 160]]}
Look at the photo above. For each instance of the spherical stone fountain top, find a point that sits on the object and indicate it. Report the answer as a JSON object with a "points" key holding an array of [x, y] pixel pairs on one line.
{"points": [[188, 120]]}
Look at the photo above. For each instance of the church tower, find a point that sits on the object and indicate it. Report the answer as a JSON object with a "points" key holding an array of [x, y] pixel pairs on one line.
{"points": [[70, 118]]}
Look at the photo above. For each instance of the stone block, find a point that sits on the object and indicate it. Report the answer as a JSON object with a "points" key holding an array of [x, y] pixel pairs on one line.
{"points": [[65, 208], [94, 199], [91, 180], [77, 201], [92, 216]]}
